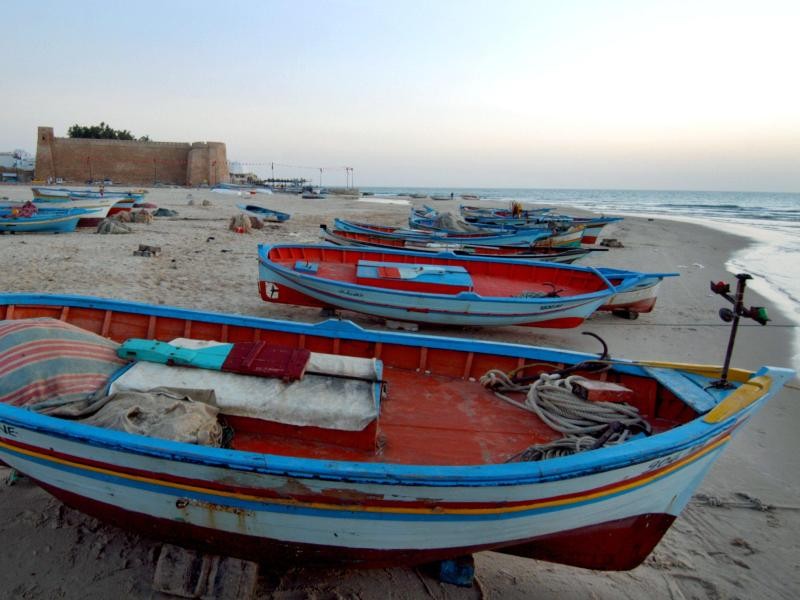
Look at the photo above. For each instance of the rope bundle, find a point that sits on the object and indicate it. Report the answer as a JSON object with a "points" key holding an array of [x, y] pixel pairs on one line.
{"points": [[585, 424]]}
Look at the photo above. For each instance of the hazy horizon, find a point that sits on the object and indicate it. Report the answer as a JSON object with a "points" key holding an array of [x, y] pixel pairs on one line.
{"points": [[622, 95]]}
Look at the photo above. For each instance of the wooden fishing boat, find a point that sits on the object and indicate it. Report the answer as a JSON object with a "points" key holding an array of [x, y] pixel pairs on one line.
{"points": [[55, 194], [96, 210], [441, 469], [554, 234], [488, 211], [313, 194], [507, 238], [441, 198], [537, 252], [441, 289], [592, 225], [639, 298], [44, 194], [266, 214], [51, 221]]}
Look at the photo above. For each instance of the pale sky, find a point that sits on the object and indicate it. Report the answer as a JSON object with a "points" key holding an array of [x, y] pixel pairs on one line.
{"points": [[631, 94]]}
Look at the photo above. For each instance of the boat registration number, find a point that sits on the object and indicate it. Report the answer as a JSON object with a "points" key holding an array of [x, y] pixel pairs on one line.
{"points": [[8, 430]]}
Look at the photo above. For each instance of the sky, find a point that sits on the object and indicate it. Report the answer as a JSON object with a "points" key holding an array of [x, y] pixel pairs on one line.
{"points": [[617, 94]]}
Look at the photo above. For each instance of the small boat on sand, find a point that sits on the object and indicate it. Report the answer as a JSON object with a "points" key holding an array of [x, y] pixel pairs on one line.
{"points": [[439, 289], [50, 221], [45, 194], [506, 220], [314, 194], [550, 254], [431, 457], [96, 210], [267, 214], [483, 238]]}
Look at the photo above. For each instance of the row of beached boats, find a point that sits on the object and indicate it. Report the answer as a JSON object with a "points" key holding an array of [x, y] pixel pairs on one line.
{"points": [[344, 445], [440, 276], [59, 210]]}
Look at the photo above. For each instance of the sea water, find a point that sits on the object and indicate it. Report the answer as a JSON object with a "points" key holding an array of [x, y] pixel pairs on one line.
{"points": [[771, 221]]}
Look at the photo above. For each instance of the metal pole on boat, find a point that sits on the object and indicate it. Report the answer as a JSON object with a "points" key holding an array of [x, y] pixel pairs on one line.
{"points": [[757, 313]]}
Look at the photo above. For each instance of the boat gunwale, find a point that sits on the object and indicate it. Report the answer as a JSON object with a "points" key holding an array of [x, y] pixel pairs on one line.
{"points": [[691, 434]]}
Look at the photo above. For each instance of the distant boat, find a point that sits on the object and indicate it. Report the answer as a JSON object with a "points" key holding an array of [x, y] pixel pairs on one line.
{"points": [[50, 221], [241, 188], [418, 196], [548, 254], [483, 238], [470, 197], [314, 194], [45, 194], [486, 212], [265, 213], [441, 198], [96, 210]]}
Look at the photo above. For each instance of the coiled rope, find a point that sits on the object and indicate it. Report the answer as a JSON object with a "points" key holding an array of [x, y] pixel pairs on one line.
{"points": [[585, 424]]}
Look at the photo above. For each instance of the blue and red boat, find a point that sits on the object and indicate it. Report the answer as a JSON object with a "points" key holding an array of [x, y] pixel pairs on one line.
{"points": [[483, 238], [436, 467], [539, 251], [444, 289], [14, 220]]}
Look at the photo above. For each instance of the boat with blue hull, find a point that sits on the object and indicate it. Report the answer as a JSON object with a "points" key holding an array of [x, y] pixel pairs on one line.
{"points": [[441, 469], [522, 214], [537, 252], [439, 289], [49, 221], [512, 238], [96, 210], [266, 214], [558, 224], [44, 194], [556, 234]]}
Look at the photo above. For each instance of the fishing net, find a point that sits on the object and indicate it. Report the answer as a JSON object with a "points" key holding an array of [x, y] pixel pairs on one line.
{"points": [[112, 226], [240, 223], [451, 222], [141, 216]]}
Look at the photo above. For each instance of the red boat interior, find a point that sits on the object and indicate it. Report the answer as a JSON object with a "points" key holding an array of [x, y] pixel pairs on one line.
{"points": [[434, 412], [489, 279]]}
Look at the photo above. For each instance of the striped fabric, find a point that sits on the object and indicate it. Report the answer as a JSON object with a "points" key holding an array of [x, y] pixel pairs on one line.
{"points": [[46, 359]]}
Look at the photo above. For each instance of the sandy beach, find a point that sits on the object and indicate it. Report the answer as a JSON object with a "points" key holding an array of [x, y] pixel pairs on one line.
{"points": [[737, 539]]}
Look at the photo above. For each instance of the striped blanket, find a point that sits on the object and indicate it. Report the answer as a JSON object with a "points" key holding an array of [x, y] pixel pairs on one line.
{"points": [[47, 359]]}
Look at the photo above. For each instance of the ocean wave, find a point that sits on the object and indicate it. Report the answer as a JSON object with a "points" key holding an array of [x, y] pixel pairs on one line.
{"points": [[702, 206]]}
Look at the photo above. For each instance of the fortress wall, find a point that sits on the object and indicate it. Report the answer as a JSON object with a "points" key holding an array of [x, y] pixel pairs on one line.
{"points": [[131, 162]]}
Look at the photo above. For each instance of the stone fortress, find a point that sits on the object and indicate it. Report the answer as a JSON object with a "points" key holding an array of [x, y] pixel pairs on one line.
{"points": [[79, 160]]}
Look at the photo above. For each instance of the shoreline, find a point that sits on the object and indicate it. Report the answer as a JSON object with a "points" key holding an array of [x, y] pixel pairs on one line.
{"points": [[48, 550]]}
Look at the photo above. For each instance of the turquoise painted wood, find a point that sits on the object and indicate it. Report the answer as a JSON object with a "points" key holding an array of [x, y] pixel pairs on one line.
{"points": [[211, 358]]}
